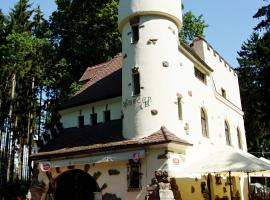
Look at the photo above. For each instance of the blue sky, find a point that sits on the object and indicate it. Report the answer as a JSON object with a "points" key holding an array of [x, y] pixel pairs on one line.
{"points": [[230, 21]]}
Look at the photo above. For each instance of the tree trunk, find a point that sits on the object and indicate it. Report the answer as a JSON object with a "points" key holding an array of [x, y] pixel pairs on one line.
{"points": [[8, 133], [30, 129]]}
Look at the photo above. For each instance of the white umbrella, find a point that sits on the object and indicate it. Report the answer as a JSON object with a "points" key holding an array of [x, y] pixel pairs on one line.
{"points": [[225, 160]]}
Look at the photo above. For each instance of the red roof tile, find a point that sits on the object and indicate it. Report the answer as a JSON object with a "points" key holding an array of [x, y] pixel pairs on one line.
{"points": [[95, 73], [161, 136]]}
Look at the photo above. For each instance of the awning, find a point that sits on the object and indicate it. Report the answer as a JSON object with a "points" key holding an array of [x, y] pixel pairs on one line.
{"points": [[262, 173], [224, 160], [95, 159]]}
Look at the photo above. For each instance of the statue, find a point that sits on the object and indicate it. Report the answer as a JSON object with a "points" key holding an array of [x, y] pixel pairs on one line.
{"points": [[161, 188]]}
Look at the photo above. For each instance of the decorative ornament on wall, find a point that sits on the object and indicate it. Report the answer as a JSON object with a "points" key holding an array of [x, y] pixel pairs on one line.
{"points": [[113, 172], [154, 112], [165, 64], [192, 189], [86, 167], [96, 175], [152, 41]]}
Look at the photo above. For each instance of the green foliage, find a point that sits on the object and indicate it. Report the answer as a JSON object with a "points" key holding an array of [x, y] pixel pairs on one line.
{"points": [[193, 26], [263, 12], [29, 65], [20, 17], [85, 33], [254, 73]]}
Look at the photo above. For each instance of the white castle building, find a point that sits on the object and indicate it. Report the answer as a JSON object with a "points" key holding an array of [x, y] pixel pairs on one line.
{"points": [[156, 106]]}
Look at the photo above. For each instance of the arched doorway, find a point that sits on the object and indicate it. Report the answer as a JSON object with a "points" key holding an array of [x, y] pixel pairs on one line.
{"points": [[75, 185]]}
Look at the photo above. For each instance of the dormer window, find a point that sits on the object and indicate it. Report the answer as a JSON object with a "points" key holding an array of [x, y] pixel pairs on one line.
{"points": [[134, 23], [200, 75], [136, 81], [107, 115], [81, 121]]}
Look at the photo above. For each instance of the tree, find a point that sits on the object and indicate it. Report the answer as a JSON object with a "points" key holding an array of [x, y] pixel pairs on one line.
{"points": [[20, 17], [264, 12], [85, 33], [254, 73], [193, 26]]}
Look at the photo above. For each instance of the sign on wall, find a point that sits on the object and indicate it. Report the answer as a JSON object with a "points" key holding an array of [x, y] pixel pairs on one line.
{"points": [[141, 102]]}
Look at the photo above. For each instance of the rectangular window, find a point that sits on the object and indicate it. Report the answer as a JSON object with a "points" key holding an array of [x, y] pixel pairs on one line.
{"points": [[136, 83], [201, 76], [179, 103], [134, 23], [81, 121], [135, 34], [107, 115], [93, 118], [134, 175]]}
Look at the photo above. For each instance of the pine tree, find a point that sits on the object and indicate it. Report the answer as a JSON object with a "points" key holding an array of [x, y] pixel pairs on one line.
{"points": [[20, 17], [254, 73], [263, 12]]}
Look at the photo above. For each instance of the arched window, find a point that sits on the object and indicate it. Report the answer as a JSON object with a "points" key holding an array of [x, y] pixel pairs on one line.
{"points": [[239, 138], [204, 123], [227, 133]]}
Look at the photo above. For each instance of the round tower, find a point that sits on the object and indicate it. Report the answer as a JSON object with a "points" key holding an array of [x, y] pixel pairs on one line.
{"points": [[150, 41]]}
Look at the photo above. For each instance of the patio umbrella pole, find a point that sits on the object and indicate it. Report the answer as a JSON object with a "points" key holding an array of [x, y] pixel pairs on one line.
{"points": [[248, 185], [230, 181]]}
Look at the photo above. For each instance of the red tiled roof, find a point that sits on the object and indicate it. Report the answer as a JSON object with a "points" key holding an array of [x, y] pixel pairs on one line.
{"points": [[159, 137], [103, 81], [95, 73]]}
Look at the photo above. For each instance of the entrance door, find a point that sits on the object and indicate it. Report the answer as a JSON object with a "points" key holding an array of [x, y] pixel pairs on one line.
{"points": [[75, 185]]}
